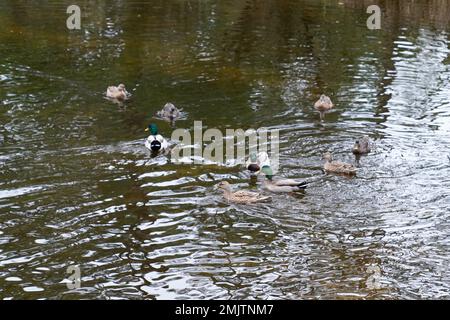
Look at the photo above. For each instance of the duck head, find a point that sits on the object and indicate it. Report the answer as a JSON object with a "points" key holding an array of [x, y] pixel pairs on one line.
{"points": [[327, 157], [153, 129], [224, 185], [357, 147]]}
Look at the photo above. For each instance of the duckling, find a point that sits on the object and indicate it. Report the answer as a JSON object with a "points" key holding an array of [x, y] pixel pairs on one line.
{"points": [[241, 197], [323, 105], [281, 185], [169, 112], [336, 166], [362, 146], [155, 142], [118, 93]]}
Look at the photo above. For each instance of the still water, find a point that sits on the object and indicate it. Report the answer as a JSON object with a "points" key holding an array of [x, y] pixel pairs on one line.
{"points": [[77, 187]]}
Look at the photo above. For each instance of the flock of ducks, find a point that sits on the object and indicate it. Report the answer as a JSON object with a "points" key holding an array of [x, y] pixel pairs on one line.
{"points": [[155, 142], [257, 164]]}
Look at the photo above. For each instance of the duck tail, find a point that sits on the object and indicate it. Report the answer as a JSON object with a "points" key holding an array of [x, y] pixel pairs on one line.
{"points": [[303, 185]]}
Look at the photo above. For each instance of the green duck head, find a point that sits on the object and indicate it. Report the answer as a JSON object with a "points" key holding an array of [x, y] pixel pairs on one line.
{"points": [[153, 129]]}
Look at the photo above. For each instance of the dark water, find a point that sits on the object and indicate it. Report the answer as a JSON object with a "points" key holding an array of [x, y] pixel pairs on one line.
{"points": [[77, 186]]}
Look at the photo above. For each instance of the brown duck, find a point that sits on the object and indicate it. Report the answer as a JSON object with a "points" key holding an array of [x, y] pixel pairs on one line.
{"points": [[362, 146], [337, 166], [241, 197], [323, 105]]}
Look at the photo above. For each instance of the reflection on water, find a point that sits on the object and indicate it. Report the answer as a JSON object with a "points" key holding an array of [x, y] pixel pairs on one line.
{"points": [[77, 186]]}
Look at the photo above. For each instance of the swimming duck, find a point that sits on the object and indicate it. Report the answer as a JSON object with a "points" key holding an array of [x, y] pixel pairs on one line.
{"points": [[281, 185], [362, 146], [118, 93], [241, 197], [336, 166], [169, 112], [155, 142], [323, 105]]}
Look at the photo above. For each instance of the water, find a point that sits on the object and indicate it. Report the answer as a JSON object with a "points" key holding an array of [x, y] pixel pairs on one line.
{"points": [[77, 186]]}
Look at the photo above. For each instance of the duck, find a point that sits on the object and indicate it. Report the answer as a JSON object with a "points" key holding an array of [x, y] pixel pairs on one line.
{"points": [[336, 166], [281, 185], [242, 196], [323, 105], [169, 112], [362, 146], [155, 142], [118, 93]]}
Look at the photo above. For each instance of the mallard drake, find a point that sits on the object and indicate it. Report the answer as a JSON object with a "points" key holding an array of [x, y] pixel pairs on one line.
{"points": [[323, 105], [281, 185], [169, 112], [336, 166], [362, 146], [118, 93], [155, 142], [241, 197]]}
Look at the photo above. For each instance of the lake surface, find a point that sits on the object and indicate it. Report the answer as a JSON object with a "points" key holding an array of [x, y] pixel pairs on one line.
{"points": [[77, 186]]}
